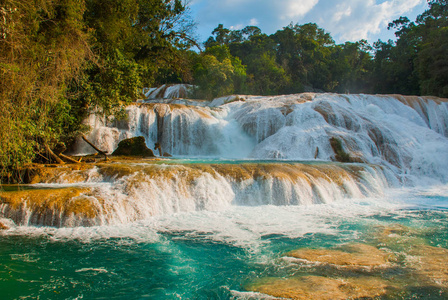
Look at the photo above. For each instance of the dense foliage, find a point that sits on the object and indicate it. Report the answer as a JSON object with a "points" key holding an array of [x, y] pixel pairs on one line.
{"points": [[302, 58], [63, 59], [418, 62]]}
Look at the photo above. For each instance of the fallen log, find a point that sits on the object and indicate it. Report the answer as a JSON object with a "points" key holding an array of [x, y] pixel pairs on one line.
{"points": [[54, 156], [94, 147], [69, 158]]}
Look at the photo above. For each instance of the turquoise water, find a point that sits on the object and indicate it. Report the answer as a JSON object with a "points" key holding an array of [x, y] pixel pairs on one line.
{"points": [[205, 255], [226, 161]]}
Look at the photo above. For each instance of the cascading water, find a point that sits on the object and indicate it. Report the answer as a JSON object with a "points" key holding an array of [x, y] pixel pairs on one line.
{"points": [[181, 130], [120, 193], [405, 134], [395, 140], [252, 178]]}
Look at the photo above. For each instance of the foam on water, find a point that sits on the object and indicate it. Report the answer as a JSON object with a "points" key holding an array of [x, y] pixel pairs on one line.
{"points": [[121, 193], [200, 254], [202, 228], [243, 227], [407, 135], [251, 296]]}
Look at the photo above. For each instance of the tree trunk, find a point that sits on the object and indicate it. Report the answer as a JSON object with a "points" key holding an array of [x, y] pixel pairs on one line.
{"points": [[69, 158], [94, 147], [54, 156]]}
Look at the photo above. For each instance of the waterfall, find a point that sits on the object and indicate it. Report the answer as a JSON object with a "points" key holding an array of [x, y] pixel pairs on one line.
{"points": [[181, 130], [116, 193], [405, 134], [167, 91], [247, 151]]}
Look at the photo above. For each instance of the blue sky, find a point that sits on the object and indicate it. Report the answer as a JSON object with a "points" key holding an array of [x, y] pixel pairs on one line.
{"points": [[345, 20]]}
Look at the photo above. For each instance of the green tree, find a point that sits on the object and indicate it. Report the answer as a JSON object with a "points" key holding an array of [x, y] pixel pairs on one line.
{"points": [[351, 67], [400, 66], [218, 73], [432, 58], [264, 75], [62, 59], [257, 52], [303, 51], [417, 63], [43, 46], [224, 36], [136, 42]]}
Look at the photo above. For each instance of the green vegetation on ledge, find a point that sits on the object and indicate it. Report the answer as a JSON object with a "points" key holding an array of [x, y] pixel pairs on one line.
{"points": [[340, 154], [63, 60]]}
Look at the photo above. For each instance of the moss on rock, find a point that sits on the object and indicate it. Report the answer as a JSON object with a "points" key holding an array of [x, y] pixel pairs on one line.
{"points": [[63, 207], [340, 154]]}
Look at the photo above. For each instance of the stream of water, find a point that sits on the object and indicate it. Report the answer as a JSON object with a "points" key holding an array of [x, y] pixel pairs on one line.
{"points": [[207, 254], [193, 227]]}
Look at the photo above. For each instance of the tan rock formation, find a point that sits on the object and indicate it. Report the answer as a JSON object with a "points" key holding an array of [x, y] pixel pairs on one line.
{"points": [[321, 288], [352, 256]]}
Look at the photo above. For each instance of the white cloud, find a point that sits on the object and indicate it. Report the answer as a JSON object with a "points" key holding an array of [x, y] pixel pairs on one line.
{"points": [[359, 19], [295, 9], [344, 19], [343, 11], [253, 22], [236, 27]]}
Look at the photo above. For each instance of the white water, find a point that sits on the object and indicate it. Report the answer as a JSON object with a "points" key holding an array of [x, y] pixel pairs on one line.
{"points": [[401, 142], [204, 250], [168, 229], [245, 227], [169, 91], [146, 190], [185, 131], [405, 135], [241, 226]]}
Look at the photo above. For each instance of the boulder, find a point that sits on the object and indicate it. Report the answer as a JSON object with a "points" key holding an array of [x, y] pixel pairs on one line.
{"points": [[135, 146]]}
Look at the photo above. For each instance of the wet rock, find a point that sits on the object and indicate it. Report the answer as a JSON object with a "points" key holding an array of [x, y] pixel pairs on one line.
{"points": [[348, 259], [430, 264], [6, 224], [321, 288], [157, 146], [135, 146], [3, 226], [64, 207], [340, 154], [399, 238], [352, 256], [404, 267]]}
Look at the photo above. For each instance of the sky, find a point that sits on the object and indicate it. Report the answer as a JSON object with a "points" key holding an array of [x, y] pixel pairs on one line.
{"points": [[345, 20]]}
